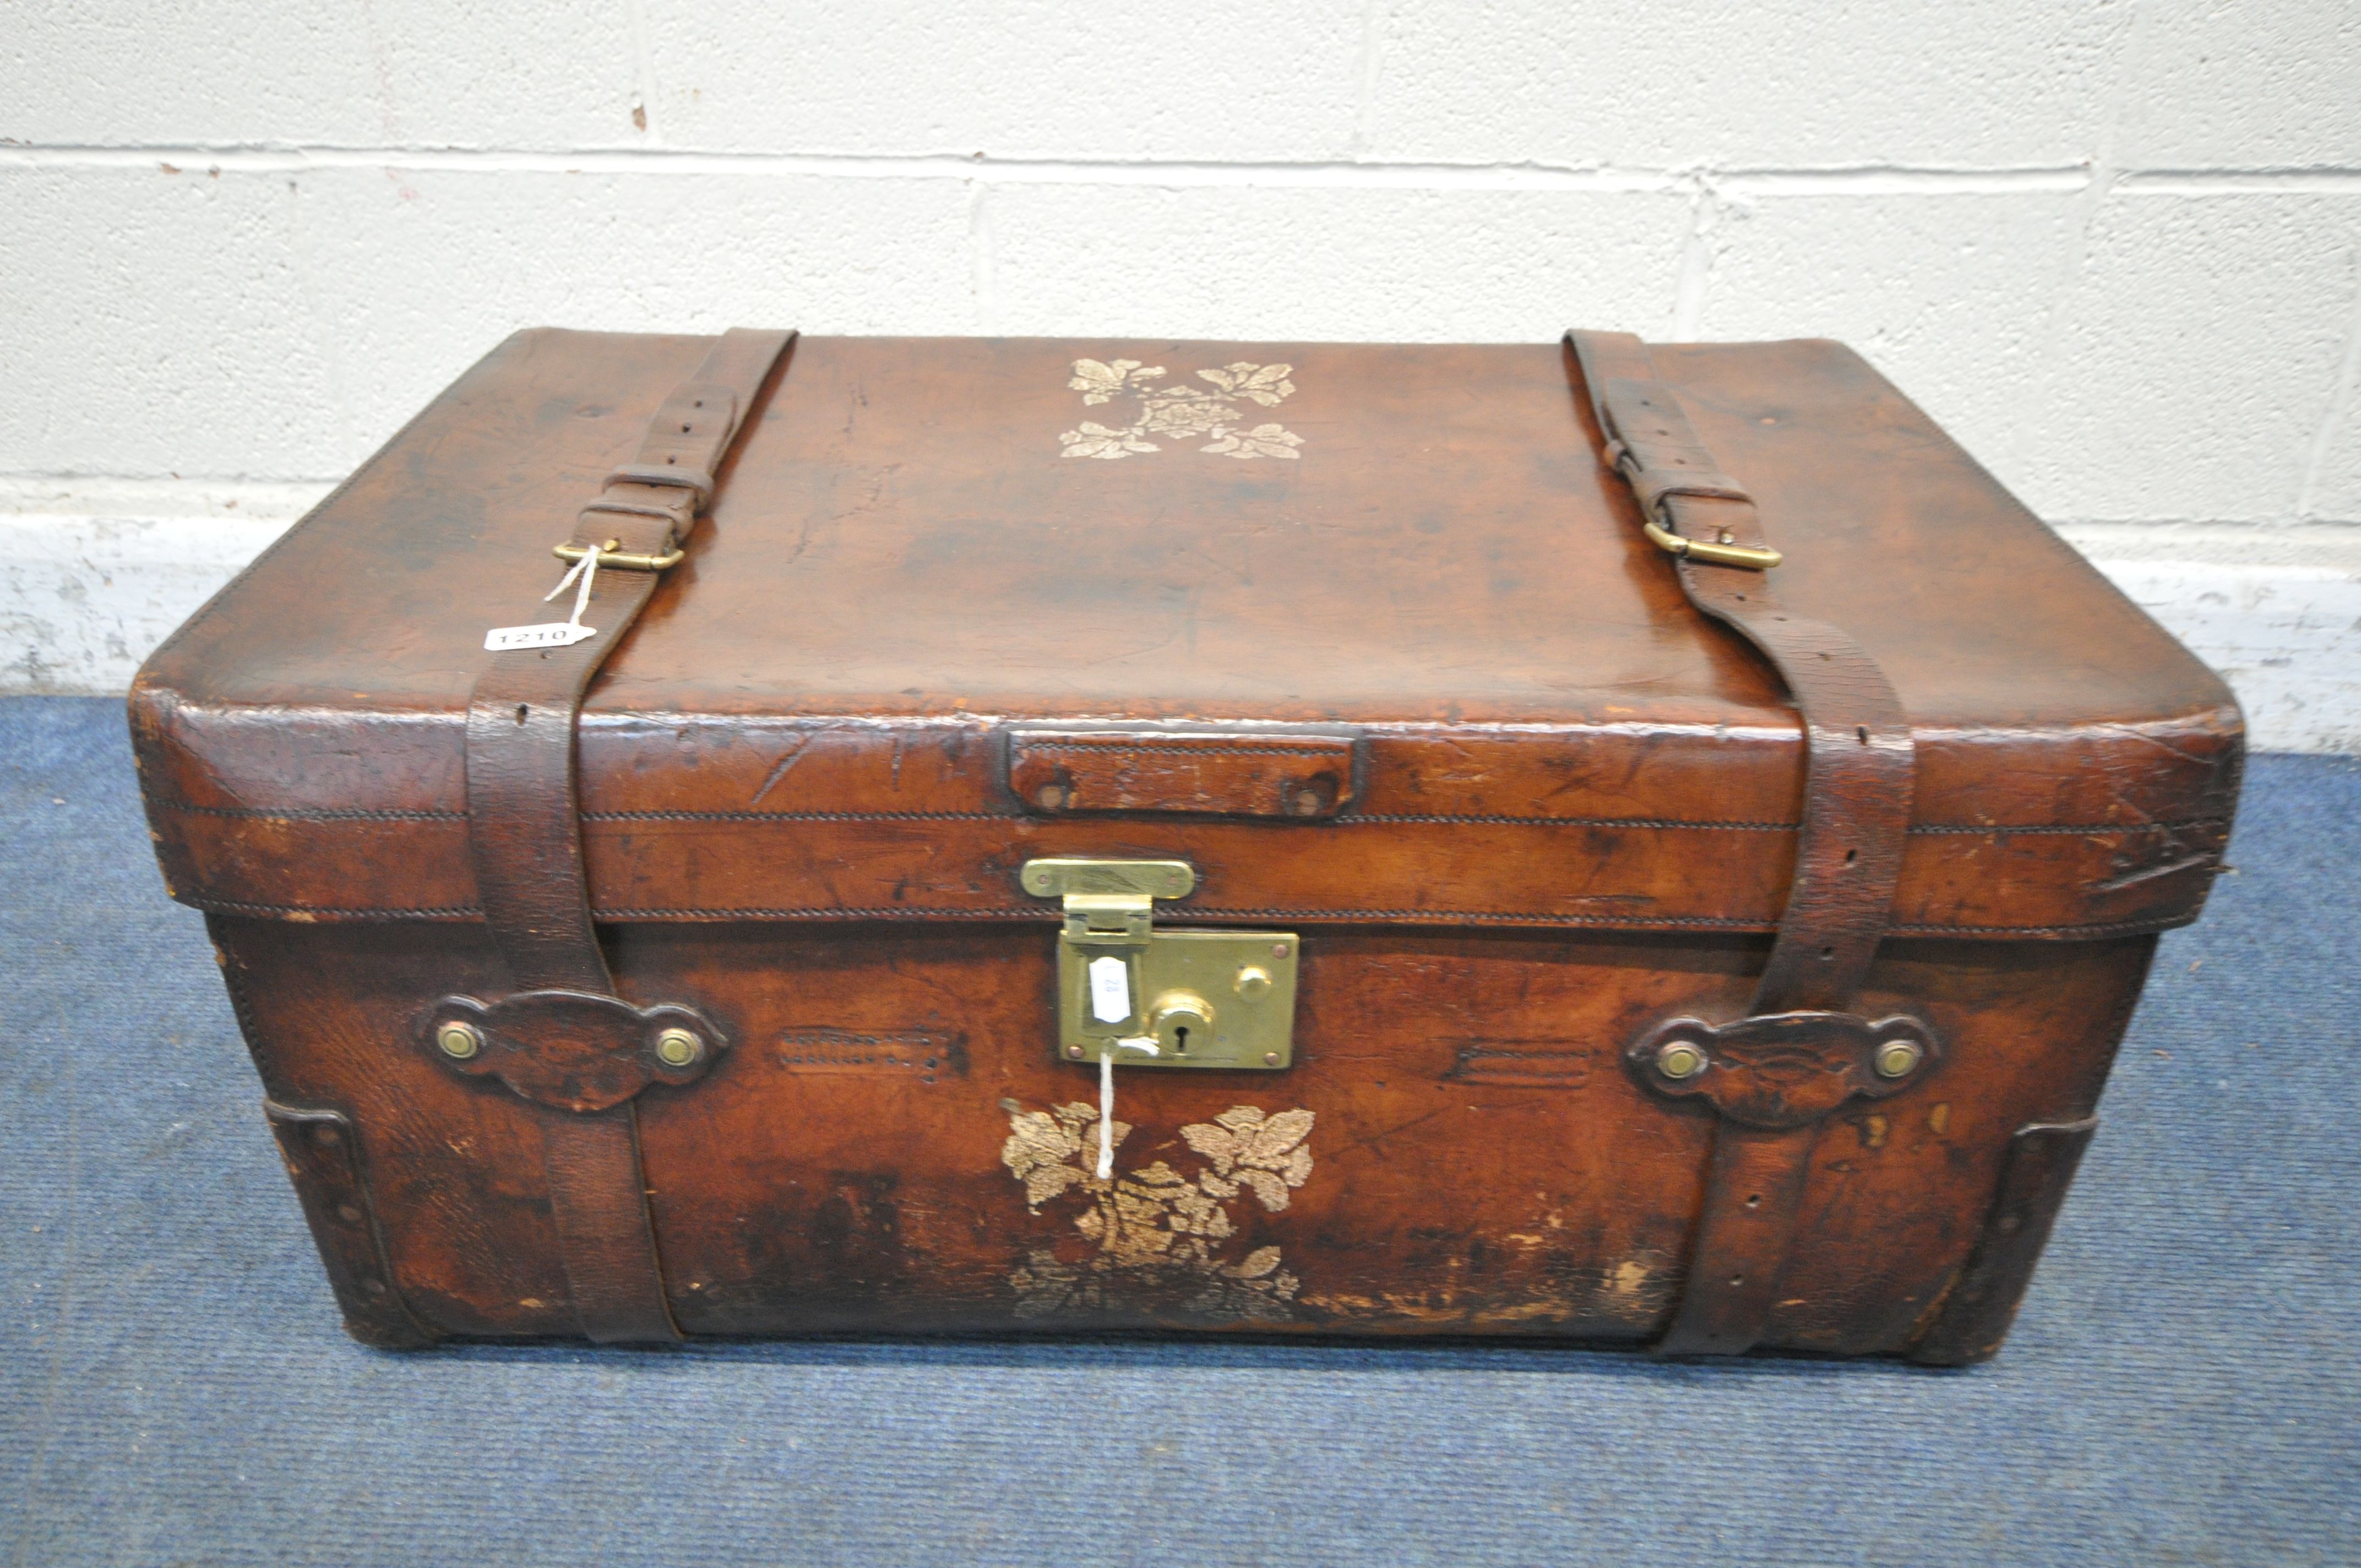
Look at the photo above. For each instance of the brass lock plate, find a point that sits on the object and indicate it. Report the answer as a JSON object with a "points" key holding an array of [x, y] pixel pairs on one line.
{"points": [[1208, 999], [1202, 999]]}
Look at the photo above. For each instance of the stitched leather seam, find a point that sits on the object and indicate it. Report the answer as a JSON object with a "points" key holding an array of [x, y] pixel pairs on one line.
{"points": [[2068, 829], [2002, 830], [1423, 916], [309, 814], [322, 912], [241, 1008], [803, 816], [1579, 822], [1225, 750]]}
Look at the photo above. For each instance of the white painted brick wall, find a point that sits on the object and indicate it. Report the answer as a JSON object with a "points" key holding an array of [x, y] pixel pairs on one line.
{"points": [[2115, 245]]}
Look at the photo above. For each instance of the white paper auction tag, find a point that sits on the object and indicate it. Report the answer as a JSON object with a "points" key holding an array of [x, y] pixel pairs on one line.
{"points": [[1110, 989], [553, 634], [548, 634]]}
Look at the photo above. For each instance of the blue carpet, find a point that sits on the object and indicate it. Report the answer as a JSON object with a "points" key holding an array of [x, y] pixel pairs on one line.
{"points": [[2184, 1386]]}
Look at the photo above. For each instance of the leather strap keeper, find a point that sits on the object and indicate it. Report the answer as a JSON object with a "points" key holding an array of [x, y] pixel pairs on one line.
{"points": [[563, 1036], [696, 480], [1859, 766]]}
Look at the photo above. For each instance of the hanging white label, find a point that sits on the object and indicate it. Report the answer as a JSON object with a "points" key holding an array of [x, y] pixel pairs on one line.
{"points": [[548, 634], [1110, 989]]}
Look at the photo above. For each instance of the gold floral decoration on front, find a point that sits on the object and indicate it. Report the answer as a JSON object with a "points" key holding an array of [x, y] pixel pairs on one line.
{"points": [[1183, 412], [1155, 1234]]}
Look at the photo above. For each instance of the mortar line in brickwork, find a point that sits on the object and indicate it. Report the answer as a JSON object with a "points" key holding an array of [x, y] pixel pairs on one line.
{"points": [[201, 500], [984, 255], [2310, 181], [2067, 264], [635, 22], [1693, 271], [1364, 102], [2335, 417], [1752, 182]]}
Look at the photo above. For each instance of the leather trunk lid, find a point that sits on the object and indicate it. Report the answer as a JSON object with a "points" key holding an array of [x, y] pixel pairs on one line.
{"points": [[943, 577]]}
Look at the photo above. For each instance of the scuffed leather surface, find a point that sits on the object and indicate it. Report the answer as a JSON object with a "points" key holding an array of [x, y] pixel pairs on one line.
{"points": [[1859, 774], [1536, 617], [598, 1203], [524, 836], [809, 860], [899, 565], [1746, 1236], [200, 1399], [790, 1202]]}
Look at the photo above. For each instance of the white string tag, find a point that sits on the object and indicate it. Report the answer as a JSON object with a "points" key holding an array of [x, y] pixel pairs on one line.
{"points": [[553, 634], [1106, 1096]]}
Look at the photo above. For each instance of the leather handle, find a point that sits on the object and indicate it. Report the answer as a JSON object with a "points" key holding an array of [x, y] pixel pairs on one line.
{"points": [[1299, 775]]}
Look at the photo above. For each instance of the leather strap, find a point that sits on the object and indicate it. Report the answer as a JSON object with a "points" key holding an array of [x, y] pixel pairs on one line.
{"points": [[525, 830], [1859, 766]]}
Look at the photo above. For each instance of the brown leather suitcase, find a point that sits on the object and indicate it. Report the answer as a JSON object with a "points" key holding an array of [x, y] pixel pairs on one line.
{"points": [[1645, 846]]}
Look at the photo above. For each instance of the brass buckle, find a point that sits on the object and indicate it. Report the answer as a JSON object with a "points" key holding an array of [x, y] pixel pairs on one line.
{"points": [[671, 557], [1722, 552], [1752, 557]]}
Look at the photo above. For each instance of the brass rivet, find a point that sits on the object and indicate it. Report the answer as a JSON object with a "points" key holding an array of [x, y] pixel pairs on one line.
{"points": [[1679, 1059], [1898, 1058], [1270, 1058], [1279, 950], [459, 1041], [374, 1287], [678, 1048], [1305, 802], [1050, 796], [1074, 1051], [349, 1213], [1253, 983]]}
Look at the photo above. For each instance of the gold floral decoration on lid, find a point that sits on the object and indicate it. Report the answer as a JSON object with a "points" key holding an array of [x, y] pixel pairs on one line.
{"points": [[1183, 412]]}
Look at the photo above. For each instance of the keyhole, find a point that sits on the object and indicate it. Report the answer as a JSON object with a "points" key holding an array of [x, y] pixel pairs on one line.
{"points": [[1181, 1041]]}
